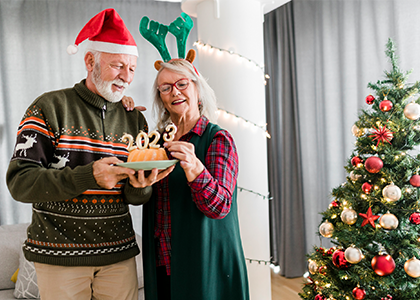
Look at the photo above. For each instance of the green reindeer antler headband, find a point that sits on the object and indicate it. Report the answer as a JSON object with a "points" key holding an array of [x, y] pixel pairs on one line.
{"points": [[156, 35]]}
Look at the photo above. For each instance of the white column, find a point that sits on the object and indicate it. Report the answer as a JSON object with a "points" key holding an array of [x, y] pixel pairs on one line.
{"points": [[237, 26]]}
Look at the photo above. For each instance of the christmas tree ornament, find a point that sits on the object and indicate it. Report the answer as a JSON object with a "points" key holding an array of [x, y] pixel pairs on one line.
{"points": [[359, 293], [373, 164], [354, 176], [385, 105], [388, 221], [312, 267], [322, 270], [370, 99], [412, 267], [319, 297], [383, 264], [391, 193], [335, 203], [326, 229], [382, 135], [415, 218], [388, 297], [368, 218], [348, 216], [412, 111], [339, 259], [356, 161], [366, 187], [353, 255], [357, 132], [415, 180]]}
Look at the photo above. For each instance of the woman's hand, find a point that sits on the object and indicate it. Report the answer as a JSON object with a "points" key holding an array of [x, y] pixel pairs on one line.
{"points": [[185, 152], [139, 180], [128, 103]]}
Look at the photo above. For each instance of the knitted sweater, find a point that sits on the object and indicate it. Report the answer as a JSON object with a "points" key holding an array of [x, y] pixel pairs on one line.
{"points": [[74, 221]]}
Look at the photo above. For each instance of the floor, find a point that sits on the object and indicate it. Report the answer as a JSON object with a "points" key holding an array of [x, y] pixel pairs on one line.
{"points": [[285, 288]]}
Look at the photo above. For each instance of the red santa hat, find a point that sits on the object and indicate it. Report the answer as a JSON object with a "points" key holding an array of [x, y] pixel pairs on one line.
{"points": [[106, 32]]}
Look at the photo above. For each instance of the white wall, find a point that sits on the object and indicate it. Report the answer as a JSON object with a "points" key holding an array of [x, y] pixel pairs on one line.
{"points": [[237, 26]]}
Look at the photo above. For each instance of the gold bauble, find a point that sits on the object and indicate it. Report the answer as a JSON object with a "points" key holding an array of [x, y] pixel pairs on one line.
{"points": [[349, 216], [388, 221], [312, 267], [326, 229], [412, 267]]}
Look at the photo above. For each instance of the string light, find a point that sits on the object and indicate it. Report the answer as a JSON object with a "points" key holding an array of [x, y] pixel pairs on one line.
{"points": [[227, 114], [260, 261], [211, 48], [258, 194]]}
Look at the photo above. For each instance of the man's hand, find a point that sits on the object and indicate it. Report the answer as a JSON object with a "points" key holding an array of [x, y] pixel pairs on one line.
{"points": [[140, 181], [106, 175]]}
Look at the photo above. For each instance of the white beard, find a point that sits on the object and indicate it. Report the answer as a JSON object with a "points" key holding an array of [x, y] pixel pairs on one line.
{"points": [[105, 87]]}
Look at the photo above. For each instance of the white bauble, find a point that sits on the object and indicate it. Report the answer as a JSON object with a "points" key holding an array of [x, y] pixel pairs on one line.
{"points": [[353, 255], [412, 111], [391, 193]]}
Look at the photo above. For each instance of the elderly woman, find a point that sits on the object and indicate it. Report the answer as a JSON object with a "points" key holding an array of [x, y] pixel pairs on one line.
{"points": [[191, 240]]}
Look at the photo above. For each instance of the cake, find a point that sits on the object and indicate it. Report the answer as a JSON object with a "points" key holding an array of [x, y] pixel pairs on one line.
{"points": [[146, 150]]}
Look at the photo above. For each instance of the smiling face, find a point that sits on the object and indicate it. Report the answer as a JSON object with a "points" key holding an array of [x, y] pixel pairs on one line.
{"points": [[110, 74], [181, 105]]}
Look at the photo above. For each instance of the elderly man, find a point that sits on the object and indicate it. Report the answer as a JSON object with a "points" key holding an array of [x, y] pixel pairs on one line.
{"points": [[81, 237]]}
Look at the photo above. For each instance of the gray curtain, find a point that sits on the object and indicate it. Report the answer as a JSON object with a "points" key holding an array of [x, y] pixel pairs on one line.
{"points": [[338, 49], [34, 35], [285, 178]]}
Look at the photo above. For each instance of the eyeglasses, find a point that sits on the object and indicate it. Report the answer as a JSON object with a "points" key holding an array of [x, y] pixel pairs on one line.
{"points": [[181, 85]]}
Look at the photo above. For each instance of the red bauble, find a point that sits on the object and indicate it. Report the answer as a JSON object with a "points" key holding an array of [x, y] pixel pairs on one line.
{"points": [[385, 105], [339, 260], [373, 164], [366, 187], [319, 297], [359, 293], [370, 99], [356, 160], [415, 180], [383, 264], [415, 218]]}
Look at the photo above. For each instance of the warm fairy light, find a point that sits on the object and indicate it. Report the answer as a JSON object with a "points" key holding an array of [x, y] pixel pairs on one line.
{"points": [[241, 58], [236, 118], [363, 196]]}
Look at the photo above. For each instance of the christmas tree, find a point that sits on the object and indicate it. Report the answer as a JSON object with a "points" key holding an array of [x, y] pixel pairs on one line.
{"points": [[374, 219]]}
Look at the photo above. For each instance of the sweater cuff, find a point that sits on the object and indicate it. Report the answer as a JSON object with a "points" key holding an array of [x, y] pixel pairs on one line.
{"points": [[84, 178], [136, 196]]}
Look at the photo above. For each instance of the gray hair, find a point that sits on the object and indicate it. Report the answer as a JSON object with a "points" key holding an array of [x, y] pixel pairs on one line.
{"points": [[206, 95]]}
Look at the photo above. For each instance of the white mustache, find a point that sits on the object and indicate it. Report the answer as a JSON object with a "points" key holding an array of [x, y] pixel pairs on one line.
{"points": [[119, 82]]}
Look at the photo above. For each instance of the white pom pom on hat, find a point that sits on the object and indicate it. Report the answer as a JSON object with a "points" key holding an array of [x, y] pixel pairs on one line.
{"points": [[72, 49], [106, 32]]}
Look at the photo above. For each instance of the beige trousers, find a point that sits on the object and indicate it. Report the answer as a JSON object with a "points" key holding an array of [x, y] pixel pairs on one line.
{"points": [[113, 282]]}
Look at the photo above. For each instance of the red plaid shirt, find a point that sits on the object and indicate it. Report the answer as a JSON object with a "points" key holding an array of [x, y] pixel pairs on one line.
{"points": [[211, 190]]}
